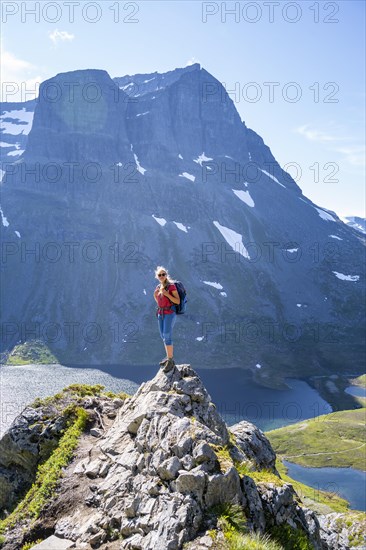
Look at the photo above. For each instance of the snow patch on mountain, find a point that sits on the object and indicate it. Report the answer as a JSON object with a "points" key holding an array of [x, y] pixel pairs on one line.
{"points": [[215, 285], [181, 227], [188, 176], [325, 215], [3, 218], [244, 196], [272, 177], [161, 221], [344, 277], [139, 167], [202, 158], [356, 223], [234, 239], [20, 122]]}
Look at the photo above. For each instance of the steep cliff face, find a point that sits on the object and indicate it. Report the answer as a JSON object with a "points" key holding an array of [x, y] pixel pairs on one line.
{"points": [[79, 117], [120, 175], [155, 470]]}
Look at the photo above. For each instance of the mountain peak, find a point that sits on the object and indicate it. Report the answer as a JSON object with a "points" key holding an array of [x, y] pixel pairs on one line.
{"points": [[143, 83]]}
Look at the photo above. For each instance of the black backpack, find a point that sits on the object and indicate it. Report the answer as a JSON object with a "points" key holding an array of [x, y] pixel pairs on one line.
{"points": [[181, 307]]}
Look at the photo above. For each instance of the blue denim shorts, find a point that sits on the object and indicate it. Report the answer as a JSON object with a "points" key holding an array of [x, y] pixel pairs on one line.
{"points": [[166, 324]]}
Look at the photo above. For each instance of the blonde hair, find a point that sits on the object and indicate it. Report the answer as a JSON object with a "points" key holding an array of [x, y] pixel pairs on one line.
{"points": [[168, 280]]}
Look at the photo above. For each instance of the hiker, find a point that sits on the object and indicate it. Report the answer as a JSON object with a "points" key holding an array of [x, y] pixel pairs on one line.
{"points": [[166, 295]]}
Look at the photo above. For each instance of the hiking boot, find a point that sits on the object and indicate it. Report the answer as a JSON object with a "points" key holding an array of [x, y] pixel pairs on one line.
{"points": [[162, 363], [169, 364]]}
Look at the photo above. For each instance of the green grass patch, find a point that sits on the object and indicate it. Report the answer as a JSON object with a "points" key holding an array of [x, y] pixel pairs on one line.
{"points": [[253, 541], [266, 476], [360, 381], [29, 545], [223, 457], [290, 538], [319, 501], [233, 523], [245, 468], [338, 437], [50, 472], [77, 391], [231, 517], [33, 351], [112, 395], [83, 390]]}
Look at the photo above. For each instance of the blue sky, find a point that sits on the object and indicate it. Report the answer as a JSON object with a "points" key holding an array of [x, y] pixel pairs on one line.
{"points": [[312, 51]]}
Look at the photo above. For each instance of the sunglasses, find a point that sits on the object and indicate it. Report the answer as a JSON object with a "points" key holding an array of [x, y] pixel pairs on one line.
{"points": [[161, 274]]}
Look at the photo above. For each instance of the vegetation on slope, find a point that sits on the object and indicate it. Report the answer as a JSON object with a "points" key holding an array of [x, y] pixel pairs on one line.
{"points": [[32, 351], [335, 439]]}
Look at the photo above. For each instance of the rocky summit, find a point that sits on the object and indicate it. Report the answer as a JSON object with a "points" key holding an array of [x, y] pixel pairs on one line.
{"points": [[105, 178], [154, 471]]}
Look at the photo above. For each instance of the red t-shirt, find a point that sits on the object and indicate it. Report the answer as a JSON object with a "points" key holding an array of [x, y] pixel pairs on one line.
{"points": [[163, 301]]}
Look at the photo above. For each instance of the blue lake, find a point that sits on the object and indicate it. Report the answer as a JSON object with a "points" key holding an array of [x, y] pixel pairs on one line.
{"points": [[356, 391], [235, 395], [347, 483]]}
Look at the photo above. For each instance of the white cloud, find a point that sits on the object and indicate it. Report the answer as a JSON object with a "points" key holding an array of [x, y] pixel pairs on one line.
{"points": [[317, 135], [20, 81], [354, 155], [57, 36], [8, 60]]}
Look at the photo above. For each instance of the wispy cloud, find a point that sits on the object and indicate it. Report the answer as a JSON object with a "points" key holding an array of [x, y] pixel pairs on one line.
{"points": [[19, 78], [318, 135], [352, 153], [60, 36]]}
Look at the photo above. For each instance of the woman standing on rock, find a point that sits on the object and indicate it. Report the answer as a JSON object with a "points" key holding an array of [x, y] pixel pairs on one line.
{"points": [[166, 295]]}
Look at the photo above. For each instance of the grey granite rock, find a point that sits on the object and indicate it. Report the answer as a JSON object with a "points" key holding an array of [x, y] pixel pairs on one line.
{"points": [[158, 471], [254, 444], [54, 543]]}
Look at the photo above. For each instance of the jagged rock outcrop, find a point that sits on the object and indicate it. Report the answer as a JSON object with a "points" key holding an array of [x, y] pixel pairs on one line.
{"points": [[152, 479], [33, 436], [340, 532], [254, 444]]}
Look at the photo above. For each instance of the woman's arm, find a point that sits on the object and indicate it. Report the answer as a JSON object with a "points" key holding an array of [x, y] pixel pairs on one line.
{"points": [[155, 293]]}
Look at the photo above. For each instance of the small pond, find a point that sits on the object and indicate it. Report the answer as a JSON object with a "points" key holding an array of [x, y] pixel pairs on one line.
{"points": [[347, 483]]}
